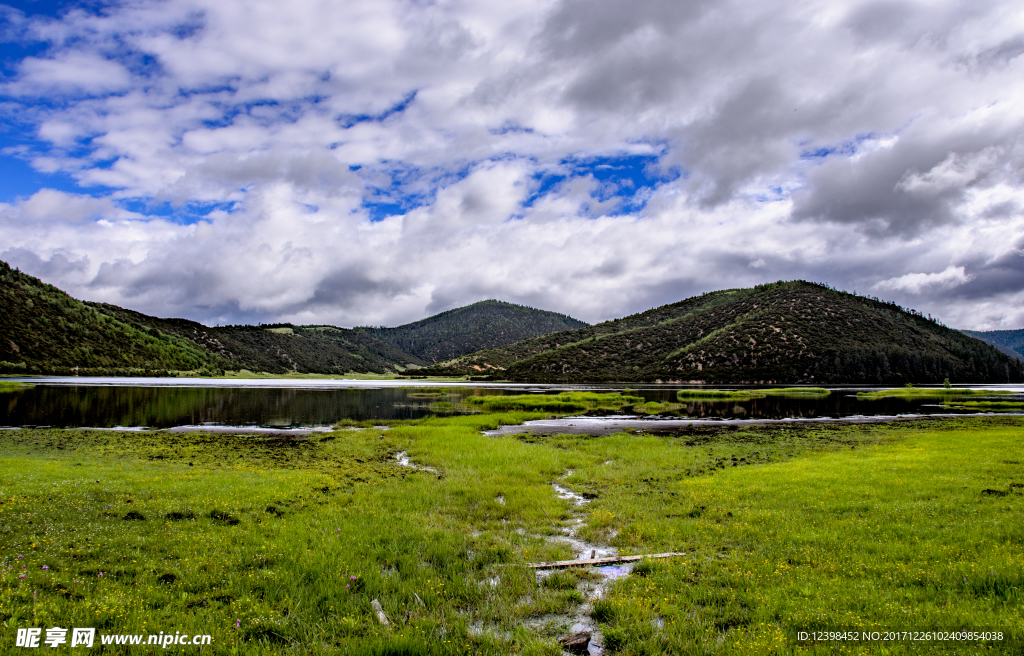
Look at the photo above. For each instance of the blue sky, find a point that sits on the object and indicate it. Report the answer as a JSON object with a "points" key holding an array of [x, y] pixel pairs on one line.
{"points": [[373, 162]]}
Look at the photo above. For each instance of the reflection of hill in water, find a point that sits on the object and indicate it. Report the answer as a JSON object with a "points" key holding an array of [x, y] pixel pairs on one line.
{"points": [[163, 407]]}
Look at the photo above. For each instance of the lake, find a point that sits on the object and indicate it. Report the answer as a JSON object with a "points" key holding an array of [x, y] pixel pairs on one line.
{"points": [[303, 403]]}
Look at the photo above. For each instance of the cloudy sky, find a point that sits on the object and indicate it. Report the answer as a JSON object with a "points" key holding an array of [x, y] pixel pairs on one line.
{"points": [[374, 161]]}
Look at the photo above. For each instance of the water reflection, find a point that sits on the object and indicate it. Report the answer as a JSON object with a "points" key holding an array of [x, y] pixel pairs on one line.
{"points": [[164, 407], [288, 406]]}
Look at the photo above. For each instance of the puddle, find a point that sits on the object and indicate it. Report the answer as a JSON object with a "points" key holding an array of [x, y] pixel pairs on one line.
{"points": [[403, 459], [600, 426], [479, 629], [569, 495]]}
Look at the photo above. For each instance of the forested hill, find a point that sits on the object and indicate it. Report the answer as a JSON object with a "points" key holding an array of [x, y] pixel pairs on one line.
{"points": [[483, 325], [278, 348], [1010, 342], [780, 332], [45, 331]]}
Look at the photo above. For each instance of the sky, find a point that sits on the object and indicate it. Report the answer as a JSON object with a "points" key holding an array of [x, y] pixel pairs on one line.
{"points": [[373, 162]]}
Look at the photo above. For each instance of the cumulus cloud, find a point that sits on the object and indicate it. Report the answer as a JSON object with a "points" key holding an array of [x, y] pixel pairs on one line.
{"points": [[914, 282], [371, 162]]}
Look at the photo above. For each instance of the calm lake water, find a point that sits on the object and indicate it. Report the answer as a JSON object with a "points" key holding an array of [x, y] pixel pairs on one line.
{"points": [[171, 402]]}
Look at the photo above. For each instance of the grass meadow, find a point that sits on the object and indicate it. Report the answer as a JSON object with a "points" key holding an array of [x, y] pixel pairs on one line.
{"points": [[277, 546]]}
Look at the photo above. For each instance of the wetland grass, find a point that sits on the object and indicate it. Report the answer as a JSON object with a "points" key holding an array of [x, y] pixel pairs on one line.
{"points": [[982, 406], [911, 392], [279, 546], [565, 403], [751, 393]]}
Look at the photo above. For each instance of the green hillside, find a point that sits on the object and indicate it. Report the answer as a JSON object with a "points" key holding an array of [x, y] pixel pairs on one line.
{"points": [[483, 325], [1010, 342], [279, 348], [780, 332], [43, 330]]}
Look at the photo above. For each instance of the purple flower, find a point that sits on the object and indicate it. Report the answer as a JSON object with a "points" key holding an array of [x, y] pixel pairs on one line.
{"points": [[101, 574], [352, 578], [346, 585], [20, 557], [23, 576], [46, 567]]}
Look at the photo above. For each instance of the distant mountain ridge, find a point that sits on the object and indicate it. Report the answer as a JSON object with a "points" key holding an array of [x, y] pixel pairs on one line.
{"points": [[44, 330], [779, 332], [484, 325], [1010, 342]]}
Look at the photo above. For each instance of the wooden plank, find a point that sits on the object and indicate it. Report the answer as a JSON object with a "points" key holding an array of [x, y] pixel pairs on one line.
{"points": [[555, 564]]}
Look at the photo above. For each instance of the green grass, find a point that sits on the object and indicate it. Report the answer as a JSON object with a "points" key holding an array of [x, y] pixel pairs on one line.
{"points": [[910, 525], [747, 394], [656, 407], [701, 394], [561, 403], [985, 405], [896, 532], [927, 393], [12, 386]]}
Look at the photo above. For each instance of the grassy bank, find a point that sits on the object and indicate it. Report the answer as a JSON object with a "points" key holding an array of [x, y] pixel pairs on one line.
{"points": [[278, 546]]}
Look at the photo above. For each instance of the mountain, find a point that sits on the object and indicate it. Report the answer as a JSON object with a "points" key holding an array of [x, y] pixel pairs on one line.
{"points": [[484, 325], [780, 332], [1010, 342], [43, 330]]}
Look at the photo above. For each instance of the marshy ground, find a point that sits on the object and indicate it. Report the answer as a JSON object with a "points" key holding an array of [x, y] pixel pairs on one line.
{"points": [[278, 544]]}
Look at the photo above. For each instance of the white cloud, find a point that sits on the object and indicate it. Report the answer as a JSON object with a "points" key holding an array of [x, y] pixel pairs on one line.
{"points": [[950, 277], [69, 73], [809, 140]]}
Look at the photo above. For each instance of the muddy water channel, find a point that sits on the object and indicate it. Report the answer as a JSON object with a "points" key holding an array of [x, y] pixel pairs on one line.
{"points": [[175, 402], [592, 585]]}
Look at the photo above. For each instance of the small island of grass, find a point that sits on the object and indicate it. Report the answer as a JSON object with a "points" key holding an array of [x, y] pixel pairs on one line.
{"points": [[984, 405], [13, 386], [910, 392], [747, 394], [566, 402]]}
